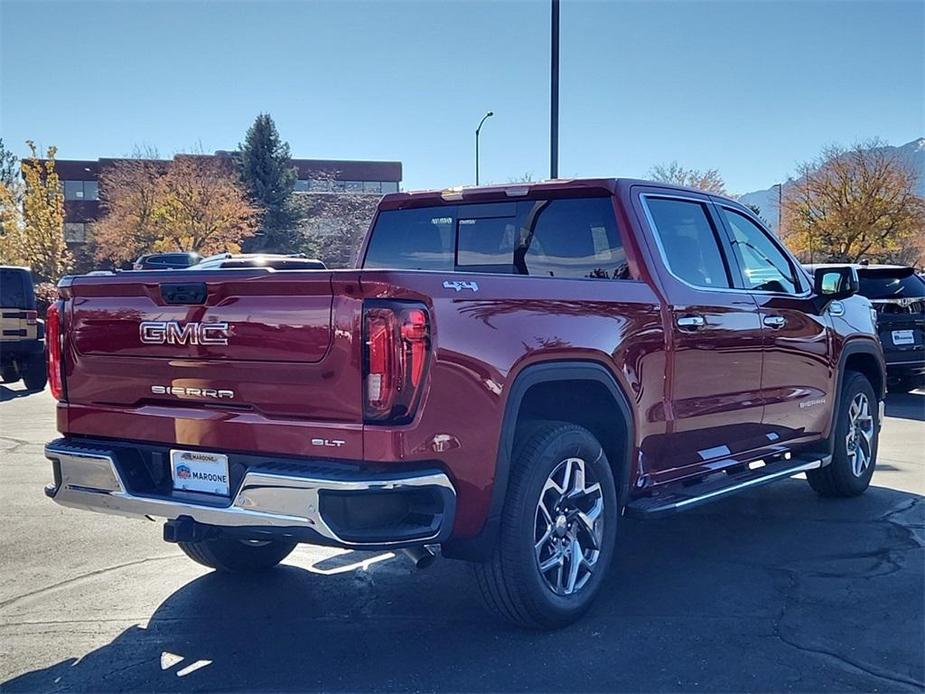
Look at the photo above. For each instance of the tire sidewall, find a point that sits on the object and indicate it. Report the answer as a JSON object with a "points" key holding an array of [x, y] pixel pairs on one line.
{"points": [[568, 442], [35, 375], [841, 469]]}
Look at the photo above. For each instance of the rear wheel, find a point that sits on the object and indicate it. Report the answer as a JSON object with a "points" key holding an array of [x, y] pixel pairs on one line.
{"points": [[558, 530], [35, 375], [9, 373], [857, 431], [237, 556]]}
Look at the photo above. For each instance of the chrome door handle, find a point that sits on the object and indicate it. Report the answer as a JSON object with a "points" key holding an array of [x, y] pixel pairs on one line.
{"points": [[690, 322], [775, 321]]}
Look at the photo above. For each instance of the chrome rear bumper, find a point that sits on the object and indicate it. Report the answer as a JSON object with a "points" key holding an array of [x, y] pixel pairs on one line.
{"points": [[267, 501]]}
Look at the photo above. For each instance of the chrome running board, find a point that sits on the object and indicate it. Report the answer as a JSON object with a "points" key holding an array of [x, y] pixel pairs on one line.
{"points": [[681, 497]]}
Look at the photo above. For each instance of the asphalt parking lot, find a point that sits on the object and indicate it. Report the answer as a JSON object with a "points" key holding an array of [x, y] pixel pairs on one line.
{"points": [[773, 590]]}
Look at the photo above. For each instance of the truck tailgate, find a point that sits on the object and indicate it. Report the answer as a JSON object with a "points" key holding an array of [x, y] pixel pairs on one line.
{"points": [[252, 348]]}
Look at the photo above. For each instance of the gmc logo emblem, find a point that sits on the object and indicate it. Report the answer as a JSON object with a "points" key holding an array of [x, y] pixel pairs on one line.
{"points": [[171, 332]]}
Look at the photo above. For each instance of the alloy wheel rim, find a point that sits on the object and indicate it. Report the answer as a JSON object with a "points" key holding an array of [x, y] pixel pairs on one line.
{"points": [[859, 440], [569, 527]]}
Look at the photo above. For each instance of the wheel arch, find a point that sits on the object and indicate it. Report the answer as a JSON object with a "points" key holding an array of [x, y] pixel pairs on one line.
{"points": [[865, 357], [543, 391]]}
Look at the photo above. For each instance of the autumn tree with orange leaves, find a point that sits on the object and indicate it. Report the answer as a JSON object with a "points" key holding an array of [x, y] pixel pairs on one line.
{"points": [[193, 203], [854, 204], [32, 219]]}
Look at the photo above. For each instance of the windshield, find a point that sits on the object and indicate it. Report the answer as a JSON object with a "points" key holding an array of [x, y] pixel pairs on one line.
{"points": [[893, 283], [16, 289]]}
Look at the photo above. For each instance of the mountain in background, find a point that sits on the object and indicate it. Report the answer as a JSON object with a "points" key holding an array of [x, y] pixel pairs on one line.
{"points": [[913, 153]]}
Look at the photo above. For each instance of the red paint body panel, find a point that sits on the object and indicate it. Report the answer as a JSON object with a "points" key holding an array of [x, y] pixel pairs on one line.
{"points": [[294, 360]]}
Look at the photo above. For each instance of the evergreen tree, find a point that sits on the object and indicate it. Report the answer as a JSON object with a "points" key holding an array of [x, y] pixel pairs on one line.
{"points": [[269, 176]]}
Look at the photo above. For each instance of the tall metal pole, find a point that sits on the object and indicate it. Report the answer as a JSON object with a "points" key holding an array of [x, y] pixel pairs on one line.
{"points": [[477, 131], [554, 95], [780, 210], [476, 157]]}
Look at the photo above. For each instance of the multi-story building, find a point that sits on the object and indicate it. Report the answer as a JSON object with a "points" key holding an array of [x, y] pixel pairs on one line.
{"points": [[80, 180]]}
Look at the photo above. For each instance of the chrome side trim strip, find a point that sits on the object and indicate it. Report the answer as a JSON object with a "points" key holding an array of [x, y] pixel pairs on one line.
{"points": [[91, 481]]}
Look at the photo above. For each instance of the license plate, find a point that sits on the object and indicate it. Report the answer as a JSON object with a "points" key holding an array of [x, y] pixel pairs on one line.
{"points": [[195, 471], [903, 337]]}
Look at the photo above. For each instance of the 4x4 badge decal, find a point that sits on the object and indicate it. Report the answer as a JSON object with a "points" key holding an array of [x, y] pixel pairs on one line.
{"points": [[459, 286]]}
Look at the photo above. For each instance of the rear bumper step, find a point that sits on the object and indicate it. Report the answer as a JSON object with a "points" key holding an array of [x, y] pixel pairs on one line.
{"points": [[682, 498], [311, 505]]}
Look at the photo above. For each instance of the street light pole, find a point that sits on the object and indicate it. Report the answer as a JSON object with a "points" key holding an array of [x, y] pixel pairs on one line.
{"points": [[554, 94], [780, 210], [477, 131]]}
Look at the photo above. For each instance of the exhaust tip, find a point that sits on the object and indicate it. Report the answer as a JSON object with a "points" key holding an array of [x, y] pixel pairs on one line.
{"points": [[422, 557]]}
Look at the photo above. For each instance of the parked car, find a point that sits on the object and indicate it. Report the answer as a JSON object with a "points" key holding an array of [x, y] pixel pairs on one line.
{"points": [[508, 371], [22, 333], [898, 295], [166, 261], [225, 261]]}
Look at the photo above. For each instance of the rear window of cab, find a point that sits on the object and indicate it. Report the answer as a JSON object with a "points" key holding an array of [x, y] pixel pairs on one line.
{"points": [[567, 238]]}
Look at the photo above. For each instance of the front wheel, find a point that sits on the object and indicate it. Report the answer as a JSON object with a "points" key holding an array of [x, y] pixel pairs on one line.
{"points": [[906, 384], [558, 530], [237, 556], [857, 432]]}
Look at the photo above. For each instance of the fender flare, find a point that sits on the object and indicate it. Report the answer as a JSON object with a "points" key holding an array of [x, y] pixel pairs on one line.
{"points": [[479, 547], [850, 348]]}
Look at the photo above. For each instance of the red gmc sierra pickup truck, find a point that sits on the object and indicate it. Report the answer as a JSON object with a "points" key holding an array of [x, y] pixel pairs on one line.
{"points": [[507, 372]]}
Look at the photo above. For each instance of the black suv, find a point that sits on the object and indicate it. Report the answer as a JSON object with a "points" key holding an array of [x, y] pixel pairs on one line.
{"points": [[898, 294], [22, 334]]}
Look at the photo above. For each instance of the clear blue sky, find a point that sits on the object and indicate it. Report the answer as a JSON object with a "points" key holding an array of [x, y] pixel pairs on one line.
{"points": [[750, 88]]}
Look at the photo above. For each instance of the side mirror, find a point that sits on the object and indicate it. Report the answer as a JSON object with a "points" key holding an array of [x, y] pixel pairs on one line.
{"points": [[831, 283]]}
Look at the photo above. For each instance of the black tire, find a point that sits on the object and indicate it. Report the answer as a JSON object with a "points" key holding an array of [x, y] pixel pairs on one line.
{"points": [[9, 374], [237, 556], [906, 384], [510, 581], [35, 375], [840, 478]]}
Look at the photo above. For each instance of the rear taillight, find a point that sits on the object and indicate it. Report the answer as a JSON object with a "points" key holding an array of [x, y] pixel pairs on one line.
{"points": [[396, 355], [53, 347]]}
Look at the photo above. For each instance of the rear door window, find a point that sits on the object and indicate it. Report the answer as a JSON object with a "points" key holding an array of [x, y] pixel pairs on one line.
{"points": [[689, 242]]}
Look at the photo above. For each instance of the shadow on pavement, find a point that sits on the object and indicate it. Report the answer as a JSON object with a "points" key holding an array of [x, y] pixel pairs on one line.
{"points": [[777, 589], [906, 405], [7, 393]]}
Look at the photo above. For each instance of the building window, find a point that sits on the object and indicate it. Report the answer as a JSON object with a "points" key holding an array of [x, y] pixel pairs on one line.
{"points": [[81, 190], [75, 232], [328, 185]]}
